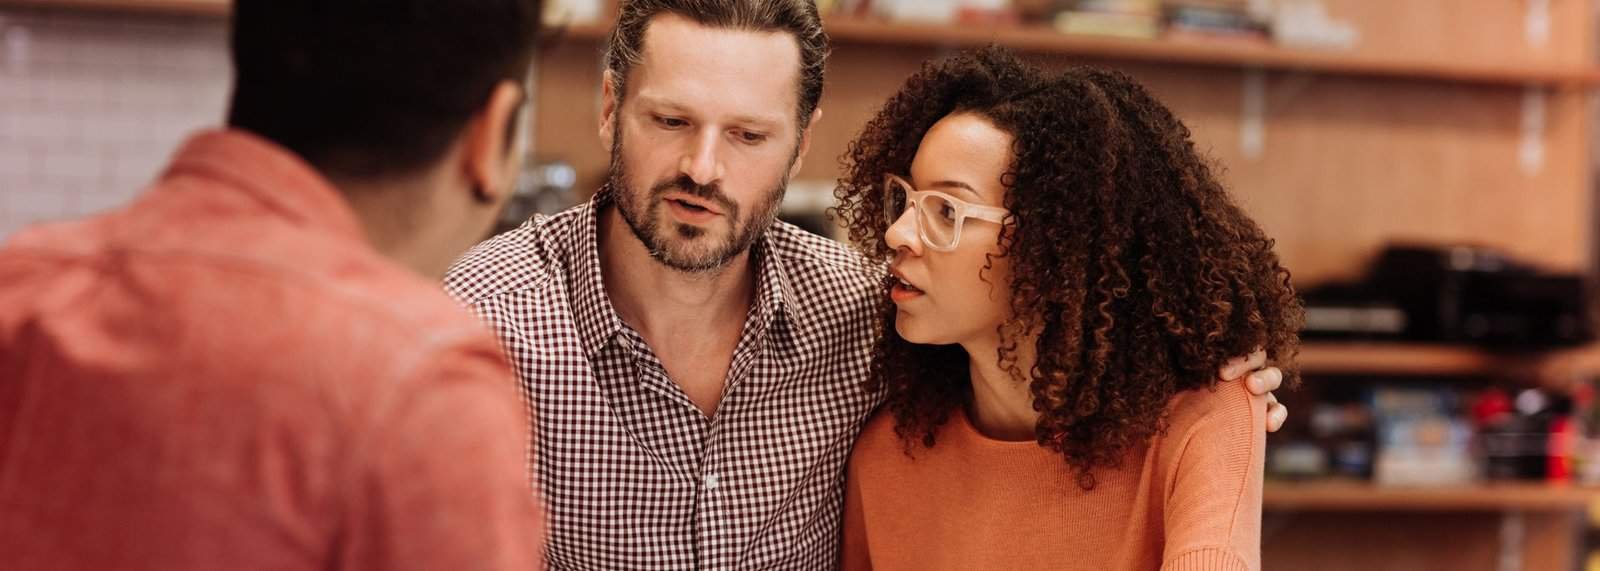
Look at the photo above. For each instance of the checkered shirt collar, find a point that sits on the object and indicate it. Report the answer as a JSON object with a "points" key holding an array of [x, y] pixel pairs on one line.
{"points": [[597, 320]]}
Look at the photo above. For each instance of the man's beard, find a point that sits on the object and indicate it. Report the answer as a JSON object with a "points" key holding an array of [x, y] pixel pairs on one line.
{"points": [[672, 243]]}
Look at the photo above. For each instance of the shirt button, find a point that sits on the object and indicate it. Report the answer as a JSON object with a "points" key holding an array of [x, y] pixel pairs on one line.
{"points": [[711, 481]]}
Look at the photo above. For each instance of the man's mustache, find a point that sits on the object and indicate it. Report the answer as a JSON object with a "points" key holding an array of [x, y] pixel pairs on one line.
{"points": [[686, 185]]}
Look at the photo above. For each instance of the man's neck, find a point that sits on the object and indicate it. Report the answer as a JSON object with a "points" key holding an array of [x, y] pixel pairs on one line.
{"points": [[661, 302], [388, 212], [692, 322]]}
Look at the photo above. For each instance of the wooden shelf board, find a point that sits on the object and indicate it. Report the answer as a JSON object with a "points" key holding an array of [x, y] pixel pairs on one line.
{"points": [[1407, 359], [1422, 359], [1204, 52], [1360, 496], [215, 8], [1221, 53]]}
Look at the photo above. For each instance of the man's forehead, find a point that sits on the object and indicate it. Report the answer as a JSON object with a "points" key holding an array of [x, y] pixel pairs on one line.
{"points": [[755, 72]]}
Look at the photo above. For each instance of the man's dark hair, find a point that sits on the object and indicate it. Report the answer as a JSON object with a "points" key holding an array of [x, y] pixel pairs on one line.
{"points": [[795, 17], [373, 88]]}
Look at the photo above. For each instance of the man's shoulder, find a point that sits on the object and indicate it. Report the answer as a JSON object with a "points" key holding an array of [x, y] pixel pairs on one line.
{"points": [[386, 323], [818, 266], [522, 259], [339, 311], [799, 246]]}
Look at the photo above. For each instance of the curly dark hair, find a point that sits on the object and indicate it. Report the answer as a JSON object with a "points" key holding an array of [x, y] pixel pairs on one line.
{"points": [[1134, 274]]}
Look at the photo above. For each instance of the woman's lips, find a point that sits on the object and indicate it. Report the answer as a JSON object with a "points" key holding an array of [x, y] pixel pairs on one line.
{"points": [[902, 290]]}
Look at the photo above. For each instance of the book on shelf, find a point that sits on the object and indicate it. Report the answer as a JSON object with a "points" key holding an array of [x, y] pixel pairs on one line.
{"points": [[1137, 19], [1215, 19], [1132, 7], [1145, 19]]}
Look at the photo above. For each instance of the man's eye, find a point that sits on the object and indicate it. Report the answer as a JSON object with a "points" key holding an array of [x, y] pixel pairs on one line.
{"points": [[671, 122]]}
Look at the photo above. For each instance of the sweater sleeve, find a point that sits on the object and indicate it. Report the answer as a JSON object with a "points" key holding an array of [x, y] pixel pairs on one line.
{"points": [[1213, 505], [853, 548]]}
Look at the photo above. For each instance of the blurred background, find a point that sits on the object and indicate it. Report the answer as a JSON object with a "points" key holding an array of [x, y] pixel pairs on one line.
{"points": [[1426, 166]]}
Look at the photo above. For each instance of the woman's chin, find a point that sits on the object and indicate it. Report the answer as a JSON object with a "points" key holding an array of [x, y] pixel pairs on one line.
{"points": [[912, 330]]}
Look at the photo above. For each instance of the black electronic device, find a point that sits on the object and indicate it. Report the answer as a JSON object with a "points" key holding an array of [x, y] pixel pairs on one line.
{"points": [[1454, 294]]}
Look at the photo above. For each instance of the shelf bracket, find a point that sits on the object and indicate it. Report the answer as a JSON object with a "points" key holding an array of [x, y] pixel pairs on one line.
{"points": [[1253, 113], [1530, 150], [1536, 23], [14, 47], [1513, 533], [1257, 104]]}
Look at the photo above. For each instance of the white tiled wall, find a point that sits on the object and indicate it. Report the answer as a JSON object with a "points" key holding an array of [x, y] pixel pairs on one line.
{"points": [[92, 106]]}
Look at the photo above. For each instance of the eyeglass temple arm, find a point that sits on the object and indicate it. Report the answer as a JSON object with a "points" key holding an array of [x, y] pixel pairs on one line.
{"points": [[990, 213]]}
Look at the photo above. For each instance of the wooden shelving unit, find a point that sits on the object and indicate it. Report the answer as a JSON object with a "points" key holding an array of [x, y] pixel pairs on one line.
{"points": [[1192, 52], [1364, 497]]}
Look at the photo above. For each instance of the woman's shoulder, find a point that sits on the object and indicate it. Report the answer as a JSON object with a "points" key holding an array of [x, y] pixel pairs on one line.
{"points": [[1227, 407], [880, 448], [878, 434]]}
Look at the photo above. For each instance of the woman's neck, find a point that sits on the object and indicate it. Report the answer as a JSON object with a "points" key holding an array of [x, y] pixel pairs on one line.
{"points": [[1002, 406]]}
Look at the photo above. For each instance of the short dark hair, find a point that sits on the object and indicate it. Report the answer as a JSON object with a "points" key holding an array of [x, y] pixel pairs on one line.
{"points": [[373, 88], [795, 17]]}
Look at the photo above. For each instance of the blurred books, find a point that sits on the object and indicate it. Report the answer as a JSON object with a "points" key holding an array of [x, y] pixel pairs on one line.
{"points": [[1295, 23], [1137, 19], [1176, 19], [1215, 20]]}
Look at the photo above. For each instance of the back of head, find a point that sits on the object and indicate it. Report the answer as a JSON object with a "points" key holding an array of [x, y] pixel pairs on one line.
{"points": [[373, 88], [798, 18]]}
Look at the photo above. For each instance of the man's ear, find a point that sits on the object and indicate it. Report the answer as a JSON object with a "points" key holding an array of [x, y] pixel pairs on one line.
{"points": [[608, 109], [490, 142], [805, 143]]}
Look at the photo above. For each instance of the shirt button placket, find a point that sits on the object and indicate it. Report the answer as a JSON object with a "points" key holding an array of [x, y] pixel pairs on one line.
{"points": [[709, 515]]}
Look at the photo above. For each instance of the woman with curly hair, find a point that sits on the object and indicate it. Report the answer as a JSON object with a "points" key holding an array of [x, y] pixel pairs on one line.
{"points": [[1067, 276]]}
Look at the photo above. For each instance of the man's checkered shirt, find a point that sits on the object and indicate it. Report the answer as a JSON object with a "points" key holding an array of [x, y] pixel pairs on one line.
{"points": [[633, 475]]}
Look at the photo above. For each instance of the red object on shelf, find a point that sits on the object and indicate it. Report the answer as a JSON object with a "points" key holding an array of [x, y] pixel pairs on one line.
{"points": [[1563, 444], [1492, 407], [981, 17]]}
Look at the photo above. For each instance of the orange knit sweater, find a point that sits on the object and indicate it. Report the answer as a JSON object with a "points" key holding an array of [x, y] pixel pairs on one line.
{"points": [[1190, 499]]}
